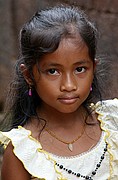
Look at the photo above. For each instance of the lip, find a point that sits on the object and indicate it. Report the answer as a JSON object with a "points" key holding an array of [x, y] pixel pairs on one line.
{"points": [[68, 100]]}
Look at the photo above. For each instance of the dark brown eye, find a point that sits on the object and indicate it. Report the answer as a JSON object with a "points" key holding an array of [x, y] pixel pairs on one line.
{"points": [[52, 71], [80, 70]]}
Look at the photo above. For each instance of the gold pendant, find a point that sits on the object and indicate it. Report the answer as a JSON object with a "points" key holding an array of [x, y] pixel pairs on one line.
{"points": [[70, 147]]}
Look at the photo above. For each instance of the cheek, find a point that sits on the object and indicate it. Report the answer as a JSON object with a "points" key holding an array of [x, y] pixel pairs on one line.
{"points": [[84, 89], [85, 84], [46, 89]]}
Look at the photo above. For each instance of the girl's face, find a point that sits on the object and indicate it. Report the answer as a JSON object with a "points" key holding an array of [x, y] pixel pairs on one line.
{"points": [[65, 77]]}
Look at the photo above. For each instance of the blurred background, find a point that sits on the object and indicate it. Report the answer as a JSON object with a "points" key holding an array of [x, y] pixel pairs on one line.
{"points": [[14, 13]]}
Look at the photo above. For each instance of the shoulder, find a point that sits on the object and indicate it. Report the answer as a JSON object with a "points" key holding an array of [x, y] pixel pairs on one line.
{"points": [[108, 116], [12, 168], [108, 103], [24, 153], [27, 156], [108, 111], [20, 149]]}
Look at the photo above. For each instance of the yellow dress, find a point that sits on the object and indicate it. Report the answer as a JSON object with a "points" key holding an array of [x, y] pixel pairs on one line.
{"points": [[46, 166]]}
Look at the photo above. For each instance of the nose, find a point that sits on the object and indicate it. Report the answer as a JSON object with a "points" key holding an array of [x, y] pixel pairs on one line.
{"points": [[68, 83]]}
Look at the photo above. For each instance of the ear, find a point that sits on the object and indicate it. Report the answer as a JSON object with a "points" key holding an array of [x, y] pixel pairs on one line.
{"points": [[26, 74]]}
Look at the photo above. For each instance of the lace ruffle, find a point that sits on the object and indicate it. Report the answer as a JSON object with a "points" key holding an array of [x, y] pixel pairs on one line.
{"points": [[29, 151], [108, 116]]}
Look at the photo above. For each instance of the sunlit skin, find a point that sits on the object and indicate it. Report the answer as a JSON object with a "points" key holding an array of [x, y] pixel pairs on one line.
{"points": [[63, 78]]}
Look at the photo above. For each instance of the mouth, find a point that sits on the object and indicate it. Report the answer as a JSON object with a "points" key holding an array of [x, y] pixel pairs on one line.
{"points": [[68, 100]]}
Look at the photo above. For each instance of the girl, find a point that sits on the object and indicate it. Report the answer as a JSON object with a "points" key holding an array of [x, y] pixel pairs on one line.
{"points": [[57, 134]]}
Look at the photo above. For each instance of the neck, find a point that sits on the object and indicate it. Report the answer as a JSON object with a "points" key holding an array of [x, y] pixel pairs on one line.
{"points": [[56, 119]]}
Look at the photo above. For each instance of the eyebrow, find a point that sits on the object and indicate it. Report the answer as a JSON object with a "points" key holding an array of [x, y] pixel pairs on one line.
{"points": [[82, 62], [78, 62]]}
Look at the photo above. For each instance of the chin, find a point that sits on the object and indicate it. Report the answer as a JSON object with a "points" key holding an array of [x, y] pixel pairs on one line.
{"points": [[67, 110]]}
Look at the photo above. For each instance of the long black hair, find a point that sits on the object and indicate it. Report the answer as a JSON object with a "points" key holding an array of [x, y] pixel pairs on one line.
{"points": [[42, 34]]}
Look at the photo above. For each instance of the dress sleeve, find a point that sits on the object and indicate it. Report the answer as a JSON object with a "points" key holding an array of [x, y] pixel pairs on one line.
{"points": [[108, 116], [29, 151]]}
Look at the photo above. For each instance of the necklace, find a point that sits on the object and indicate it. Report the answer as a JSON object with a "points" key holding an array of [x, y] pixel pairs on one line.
{"points": [[69, 144], [93, 173]]}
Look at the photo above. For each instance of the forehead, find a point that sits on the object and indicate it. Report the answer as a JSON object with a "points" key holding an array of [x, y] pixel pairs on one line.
{"points": [[69, 52], [72, 45]]}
